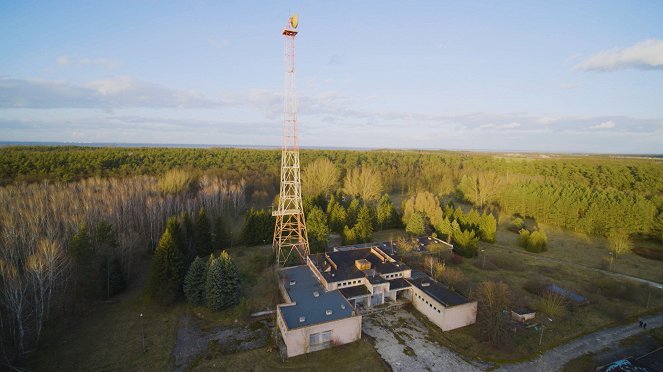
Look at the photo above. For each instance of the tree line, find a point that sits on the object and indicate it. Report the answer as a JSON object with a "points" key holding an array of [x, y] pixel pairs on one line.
{"points": [[65, 244]]}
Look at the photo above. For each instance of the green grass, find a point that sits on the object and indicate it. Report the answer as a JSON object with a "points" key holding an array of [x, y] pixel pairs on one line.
{"points": [[622, 300], [588, 250], [109, 337], [357, 356]]}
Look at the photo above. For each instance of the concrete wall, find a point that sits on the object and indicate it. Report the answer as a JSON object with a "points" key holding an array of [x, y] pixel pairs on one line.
{"points": [[447, 318], [343, 331]]}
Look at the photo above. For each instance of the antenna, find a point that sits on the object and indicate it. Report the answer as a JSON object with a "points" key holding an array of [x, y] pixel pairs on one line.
{"points": [[290, 229]]}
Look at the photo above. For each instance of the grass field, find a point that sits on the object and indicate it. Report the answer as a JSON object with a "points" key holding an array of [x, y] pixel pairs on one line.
{"points": [[611, 300], [109, 336], [589, 250]]}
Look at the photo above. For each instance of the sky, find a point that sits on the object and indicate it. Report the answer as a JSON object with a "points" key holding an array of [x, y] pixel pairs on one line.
{"points": [[542, 76]]}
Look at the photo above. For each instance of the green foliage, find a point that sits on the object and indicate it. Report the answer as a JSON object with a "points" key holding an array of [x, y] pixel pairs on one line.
{"points": [[214, 284], [518, 223], [363, 182], [167, 271], [353, 212], [231, 287], [337, 215], [222, 286], [178, 181], [80, 248], [113, 281], [445, 229], [258, 227], [488, 227], [364, 226], [425, 203], [173, 226], [319, 177], [202, 236], [493, 311], [386, 215], [220, 236], [589, 194], [348, 236], [318, 231], [98, 271], [465, 243], [535, 241], [416, 225], [194, 282]]}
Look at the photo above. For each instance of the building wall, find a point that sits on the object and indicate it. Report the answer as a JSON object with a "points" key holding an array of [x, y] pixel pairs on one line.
{"points": [[343, 331], [447, 318]]}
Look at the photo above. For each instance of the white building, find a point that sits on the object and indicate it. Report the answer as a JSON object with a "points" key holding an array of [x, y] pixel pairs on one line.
{"points": [[324, 296]]}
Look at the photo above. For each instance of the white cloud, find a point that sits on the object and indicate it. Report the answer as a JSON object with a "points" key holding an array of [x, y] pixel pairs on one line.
{"points": [[509, 125], [63, 60], [103, 62], [109, 93], [645, 55], [605, 125]]}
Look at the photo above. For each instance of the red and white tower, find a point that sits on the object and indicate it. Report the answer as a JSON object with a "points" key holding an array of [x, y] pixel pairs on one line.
{"points": [[290, 230]]}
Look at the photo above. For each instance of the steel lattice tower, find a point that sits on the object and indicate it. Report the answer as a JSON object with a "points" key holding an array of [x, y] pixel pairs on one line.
{"points": [[290, 230]]}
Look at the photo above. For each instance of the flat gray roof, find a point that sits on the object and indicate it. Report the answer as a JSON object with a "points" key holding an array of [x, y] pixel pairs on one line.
{"points": [[307, 305], [439, 292]]}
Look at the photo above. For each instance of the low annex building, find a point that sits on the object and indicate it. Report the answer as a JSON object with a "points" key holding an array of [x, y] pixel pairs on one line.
{"points": [[325, 297]]}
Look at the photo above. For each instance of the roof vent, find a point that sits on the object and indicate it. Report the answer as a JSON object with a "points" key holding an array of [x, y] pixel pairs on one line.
{"points": [[292, 282], [342, 307], [333, 275], [425, 284], [316, 294], [328, 312], [302, 319]]}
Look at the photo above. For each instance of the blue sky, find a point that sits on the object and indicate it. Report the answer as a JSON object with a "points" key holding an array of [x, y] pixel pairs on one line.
{"points": [[491, 75]]}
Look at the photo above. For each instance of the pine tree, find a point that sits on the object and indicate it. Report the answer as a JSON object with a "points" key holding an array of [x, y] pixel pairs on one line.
{"points": [[417, 224], [353, 212], [173, 226], [348, 236], [337, 216], [364, 227], [318, 231], [87, 277], [230, 287], [385, 213], [214, 284], [221, 237], [445, 228], [167, 267], [465, 242], [201, 234], [194, 282], [114, 282], [488, 227]]}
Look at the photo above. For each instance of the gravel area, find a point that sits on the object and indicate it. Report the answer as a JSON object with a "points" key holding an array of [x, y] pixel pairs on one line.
{"points": [[192, 341], [401, 340]]}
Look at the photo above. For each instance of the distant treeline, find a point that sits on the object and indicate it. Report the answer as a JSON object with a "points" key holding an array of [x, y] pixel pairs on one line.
{"points": [[592, 194]]}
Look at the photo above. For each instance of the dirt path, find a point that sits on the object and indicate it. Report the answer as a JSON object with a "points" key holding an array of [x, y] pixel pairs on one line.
{"points": [[402, 341], [555, 359]]}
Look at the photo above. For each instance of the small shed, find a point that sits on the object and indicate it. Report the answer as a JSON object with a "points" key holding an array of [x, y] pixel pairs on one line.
{"points": [[522, 315]]}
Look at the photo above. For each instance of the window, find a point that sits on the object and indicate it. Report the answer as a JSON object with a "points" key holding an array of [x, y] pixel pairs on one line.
{"points": [[318, 341]]}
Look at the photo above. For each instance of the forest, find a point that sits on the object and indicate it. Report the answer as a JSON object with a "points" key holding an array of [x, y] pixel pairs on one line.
{"points": [[118, 202]]}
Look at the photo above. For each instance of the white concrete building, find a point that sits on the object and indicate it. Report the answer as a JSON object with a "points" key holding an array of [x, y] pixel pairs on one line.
{"points": [[325, 296]]}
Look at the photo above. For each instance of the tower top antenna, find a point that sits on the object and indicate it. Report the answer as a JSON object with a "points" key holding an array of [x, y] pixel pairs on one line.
{"points": [[294, 20]]}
